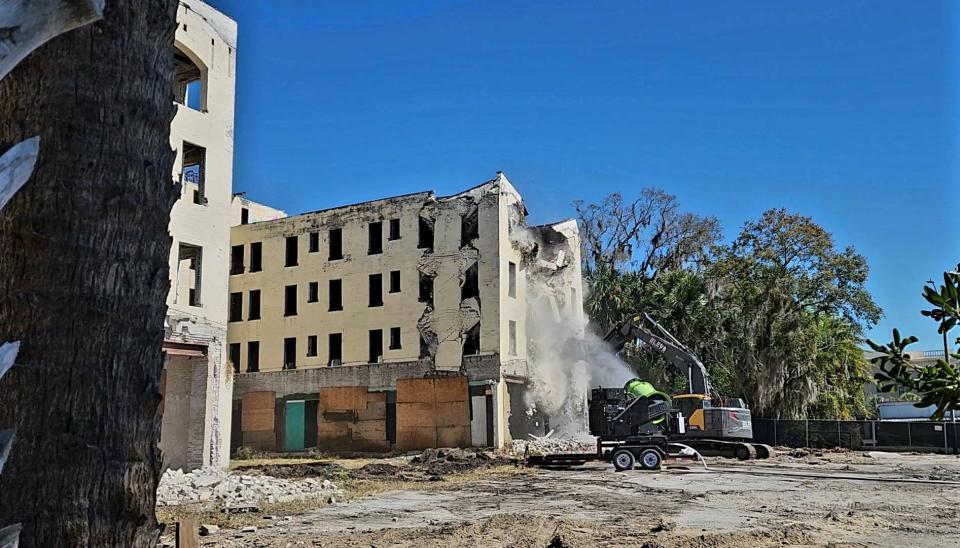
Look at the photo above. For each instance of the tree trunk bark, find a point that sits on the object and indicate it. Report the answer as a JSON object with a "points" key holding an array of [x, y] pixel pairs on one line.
{"points": [[84, 249]]}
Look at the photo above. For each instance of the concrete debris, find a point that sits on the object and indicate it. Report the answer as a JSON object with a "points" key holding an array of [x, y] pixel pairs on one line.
{"points": [[207, 530], [236, 489], [545, 445]]}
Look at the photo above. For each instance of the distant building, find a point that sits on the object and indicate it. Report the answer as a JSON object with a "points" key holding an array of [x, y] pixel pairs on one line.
{"points": [[393, 323], [196, 383], [898, 405]]}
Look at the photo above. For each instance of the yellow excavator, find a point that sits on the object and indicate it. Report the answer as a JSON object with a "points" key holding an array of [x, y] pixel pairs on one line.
{"points": [[713, 425]]}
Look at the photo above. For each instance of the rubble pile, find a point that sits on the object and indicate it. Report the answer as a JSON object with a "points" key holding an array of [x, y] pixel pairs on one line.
{"points": [[212, 484], [544, 445]]}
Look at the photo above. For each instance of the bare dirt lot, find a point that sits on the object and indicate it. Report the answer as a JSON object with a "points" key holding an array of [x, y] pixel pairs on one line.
{"points": [[799, 498]]}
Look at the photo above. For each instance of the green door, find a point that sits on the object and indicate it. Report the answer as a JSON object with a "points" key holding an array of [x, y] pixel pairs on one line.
{"points": [[293, 426]]}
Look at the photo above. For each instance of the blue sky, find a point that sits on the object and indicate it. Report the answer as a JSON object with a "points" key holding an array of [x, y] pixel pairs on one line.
{"points": [[844, 111]]}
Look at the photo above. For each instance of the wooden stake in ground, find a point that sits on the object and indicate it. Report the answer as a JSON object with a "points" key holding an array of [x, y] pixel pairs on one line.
{"points": [[83, 278]]}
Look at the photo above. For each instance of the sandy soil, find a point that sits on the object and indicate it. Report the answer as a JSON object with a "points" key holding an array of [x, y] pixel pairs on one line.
{"points": [[808, 499]]}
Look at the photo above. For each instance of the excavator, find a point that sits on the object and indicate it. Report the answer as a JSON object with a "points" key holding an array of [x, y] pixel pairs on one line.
{"points": [[713, 426]]}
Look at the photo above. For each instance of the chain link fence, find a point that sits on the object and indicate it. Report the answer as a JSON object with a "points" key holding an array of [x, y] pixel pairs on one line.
{"points": [[943, 437]]}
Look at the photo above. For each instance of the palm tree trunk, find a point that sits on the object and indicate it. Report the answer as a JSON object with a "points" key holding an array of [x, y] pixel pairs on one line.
{"points": [[84, 250]]}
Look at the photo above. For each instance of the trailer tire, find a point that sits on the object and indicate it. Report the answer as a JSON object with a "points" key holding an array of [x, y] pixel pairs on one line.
{"points": [[623, 460], [650, 459]]}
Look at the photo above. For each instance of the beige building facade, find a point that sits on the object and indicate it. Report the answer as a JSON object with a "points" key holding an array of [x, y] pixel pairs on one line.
{"points": [[197, 382], [393, 299]]}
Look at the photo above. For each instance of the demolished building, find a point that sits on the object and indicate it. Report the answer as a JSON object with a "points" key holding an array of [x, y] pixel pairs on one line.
{"points": [[399, 323], [196, 383]]}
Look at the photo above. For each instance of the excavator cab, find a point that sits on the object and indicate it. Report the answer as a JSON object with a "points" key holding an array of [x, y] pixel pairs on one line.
{"points": [[692, 406]]}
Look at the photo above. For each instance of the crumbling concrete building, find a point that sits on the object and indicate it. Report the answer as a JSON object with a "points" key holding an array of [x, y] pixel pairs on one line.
{"points": [[395, 323], [196, 382]]}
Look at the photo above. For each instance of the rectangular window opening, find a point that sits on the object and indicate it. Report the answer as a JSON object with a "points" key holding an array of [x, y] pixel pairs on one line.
{"points": [[189, 274], [394, 281], [376, 346], [375, 232], [425, 234], [336, 295], [425, 294], [256, 257], [394, 338], [235, 356], [236, 259], [290, 300], [471, 342], [244, 216], [314, 242], [394, 229], [187, 80], [253, 356], [236, 307], [471, 283], [469, 227], [253, 306], [194, 171], [335, 345], [313, 293], [290, 353], [291, 258], [513, 338], [512, 286], [336, 244], [376, 290], [312, 346]]}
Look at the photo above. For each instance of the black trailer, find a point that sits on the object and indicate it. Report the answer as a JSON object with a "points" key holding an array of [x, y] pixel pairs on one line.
{"points": [[648, 452]]}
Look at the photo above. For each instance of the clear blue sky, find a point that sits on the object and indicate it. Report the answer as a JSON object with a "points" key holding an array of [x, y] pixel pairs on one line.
{"points": [[844, 111]]}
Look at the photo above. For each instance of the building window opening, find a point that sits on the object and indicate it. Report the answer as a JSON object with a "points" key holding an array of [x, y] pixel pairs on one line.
{"points": [[376, 346], [291, 258], [394, 338], [394, 281], [513, 338], [336, 244], [375, 231], [312, 346], [194, 171], [335, 344], [512, 286], [187, 81], [236, 259], [471, 283], [426, 289], [253, 356], [425, 235], [244, 216], [189, 269], [290, 300], [314, 242], [290, 353], [235, 356], [236, 307], [256, 257], [313, 292], [336, 295], [471, 342], [469, 227], [376, 290], [253, 307], [394, 229]]}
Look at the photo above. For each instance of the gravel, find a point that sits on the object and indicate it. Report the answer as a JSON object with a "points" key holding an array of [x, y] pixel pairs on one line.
{"points": [[213, 484]]}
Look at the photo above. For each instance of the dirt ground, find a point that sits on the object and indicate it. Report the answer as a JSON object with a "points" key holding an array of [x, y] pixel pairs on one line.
{"points": [[799, 498]]}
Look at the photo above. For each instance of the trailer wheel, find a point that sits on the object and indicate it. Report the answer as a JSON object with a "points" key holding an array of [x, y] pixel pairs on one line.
{"points": [[650, 459], [623, 459]]}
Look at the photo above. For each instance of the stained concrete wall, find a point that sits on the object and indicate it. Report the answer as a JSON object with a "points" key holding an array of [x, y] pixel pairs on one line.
{"points": [[209, 39], [256, 211]]}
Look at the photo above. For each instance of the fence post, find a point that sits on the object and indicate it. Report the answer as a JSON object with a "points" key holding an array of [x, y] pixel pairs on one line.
{"points": [[775, 421], [909, 437], [839, 437], [806, 430], [945, 439]]}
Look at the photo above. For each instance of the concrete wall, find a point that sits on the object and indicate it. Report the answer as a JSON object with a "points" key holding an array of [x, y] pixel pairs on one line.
{"points": [[256, 212], [209, 39]]}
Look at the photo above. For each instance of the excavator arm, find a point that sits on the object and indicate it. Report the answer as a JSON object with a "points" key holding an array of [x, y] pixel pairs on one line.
{"points": [[682, 358]]}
